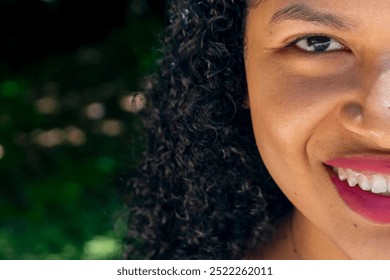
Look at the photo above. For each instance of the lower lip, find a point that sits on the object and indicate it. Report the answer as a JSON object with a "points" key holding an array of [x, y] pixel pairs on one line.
{"points": [[372, 206]]}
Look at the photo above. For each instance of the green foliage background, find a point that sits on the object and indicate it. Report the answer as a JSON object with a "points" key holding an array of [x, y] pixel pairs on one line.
{"points": [[65, 141]]}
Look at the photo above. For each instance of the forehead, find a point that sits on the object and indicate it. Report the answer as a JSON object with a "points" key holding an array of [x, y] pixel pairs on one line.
{"points": [[369, 13], [352, 4]]}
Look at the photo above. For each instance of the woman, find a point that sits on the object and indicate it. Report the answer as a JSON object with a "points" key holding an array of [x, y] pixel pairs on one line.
{"points": [[300, 87]]}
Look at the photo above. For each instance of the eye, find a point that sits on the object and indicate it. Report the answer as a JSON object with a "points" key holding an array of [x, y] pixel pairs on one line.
{"points": [[318, 43]]}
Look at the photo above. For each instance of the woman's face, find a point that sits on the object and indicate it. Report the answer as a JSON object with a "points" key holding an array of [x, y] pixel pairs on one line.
{"points": [[318, 76]]}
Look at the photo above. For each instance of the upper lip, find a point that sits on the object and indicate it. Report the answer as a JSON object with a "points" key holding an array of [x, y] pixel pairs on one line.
{"points": [[368, 163]]}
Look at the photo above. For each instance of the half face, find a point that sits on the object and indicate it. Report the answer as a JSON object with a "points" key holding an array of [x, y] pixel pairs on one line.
{"points": [[318, 76]]}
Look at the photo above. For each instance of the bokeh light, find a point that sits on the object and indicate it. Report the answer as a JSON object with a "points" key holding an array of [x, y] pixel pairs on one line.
{"points": [[2, 151], [133, 103], [95, 111], [100, 247], [46, 105], [112, 127], [50, 138], [75, 136]]}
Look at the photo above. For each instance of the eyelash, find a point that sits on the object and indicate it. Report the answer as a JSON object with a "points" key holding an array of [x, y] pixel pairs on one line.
{"points": [[293, 43]]}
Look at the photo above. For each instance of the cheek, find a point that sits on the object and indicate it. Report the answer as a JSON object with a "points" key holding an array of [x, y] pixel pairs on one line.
{"points": [[283, 104], [287, 111], [282, 107]]}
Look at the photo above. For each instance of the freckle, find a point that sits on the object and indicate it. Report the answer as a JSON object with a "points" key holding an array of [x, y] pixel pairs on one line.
{"points": [[295, 193], [355, 225]]}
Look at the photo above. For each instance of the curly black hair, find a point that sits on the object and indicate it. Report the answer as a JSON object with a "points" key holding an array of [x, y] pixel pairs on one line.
{"points": [[202, 191]]}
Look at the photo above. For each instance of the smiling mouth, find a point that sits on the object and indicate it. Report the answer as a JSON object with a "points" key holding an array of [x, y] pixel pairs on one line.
{"points": [[368, 181], [366, 191]]}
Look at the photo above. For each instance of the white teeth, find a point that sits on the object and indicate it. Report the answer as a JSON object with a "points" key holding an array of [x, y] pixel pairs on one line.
{"points": [[388, 184], [379, 184], [352, 178], [342, 175], [364, 183], [376, 183]]}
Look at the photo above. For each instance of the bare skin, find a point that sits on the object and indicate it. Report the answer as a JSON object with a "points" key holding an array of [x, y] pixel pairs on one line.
{"points": [[310, 105]]}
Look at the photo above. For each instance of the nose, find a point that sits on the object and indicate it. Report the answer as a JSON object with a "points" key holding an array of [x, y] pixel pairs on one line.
{"points": [[369, 114]]}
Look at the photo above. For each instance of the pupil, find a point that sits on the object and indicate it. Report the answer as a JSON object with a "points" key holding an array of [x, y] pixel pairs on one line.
{"points": [[319, 43]]}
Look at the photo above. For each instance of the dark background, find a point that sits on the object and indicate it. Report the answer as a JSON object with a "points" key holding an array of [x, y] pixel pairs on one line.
{"points": [[68, 132]]}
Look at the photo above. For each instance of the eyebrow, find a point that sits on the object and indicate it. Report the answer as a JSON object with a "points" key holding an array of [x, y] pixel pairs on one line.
{"points": [[303, 12]]}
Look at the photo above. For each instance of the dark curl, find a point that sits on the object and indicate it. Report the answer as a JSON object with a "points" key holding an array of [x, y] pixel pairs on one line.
{"points": [[202, 191]]}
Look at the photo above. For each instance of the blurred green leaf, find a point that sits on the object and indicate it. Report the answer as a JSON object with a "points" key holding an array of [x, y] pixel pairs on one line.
{"points": [[12, 89]]}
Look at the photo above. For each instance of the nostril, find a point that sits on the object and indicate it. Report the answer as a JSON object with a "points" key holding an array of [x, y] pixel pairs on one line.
{"points": [[353, 110]]}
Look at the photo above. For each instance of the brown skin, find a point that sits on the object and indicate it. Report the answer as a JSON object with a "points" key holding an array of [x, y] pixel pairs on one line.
{"points": [[310, 107]]}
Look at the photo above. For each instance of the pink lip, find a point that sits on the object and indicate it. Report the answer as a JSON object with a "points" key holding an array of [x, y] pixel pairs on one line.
{"points": [[372, 206], [379, 165], [367, 204]]}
